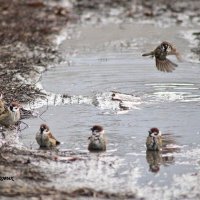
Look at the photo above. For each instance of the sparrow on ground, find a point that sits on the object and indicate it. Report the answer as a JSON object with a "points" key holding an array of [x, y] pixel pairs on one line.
{"points": [[10, 115], [154, 140], [97, 141], [160, 53], [2, 105], [45, 138]]}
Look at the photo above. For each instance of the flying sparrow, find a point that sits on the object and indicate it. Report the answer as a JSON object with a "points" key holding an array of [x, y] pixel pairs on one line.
{"points": [[10, 115], [154, 140], [161, 52], [45, 138], [97, 141]]}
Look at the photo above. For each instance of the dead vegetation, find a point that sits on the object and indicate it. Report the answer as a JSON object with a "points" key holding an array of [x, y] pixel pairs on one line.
{"points": [[24, 38]]}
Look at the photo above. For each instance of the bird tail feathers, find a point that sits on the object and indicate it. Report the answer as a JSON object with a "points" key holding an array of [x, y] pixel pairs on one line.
{"points": [[148, 54]]}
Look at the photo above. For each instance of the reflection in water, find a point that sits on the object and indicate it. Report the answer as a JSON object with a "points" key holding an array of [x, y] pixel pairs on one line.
{"points": [[154, 160], [157, 158], [169, 144], [47, 149]]}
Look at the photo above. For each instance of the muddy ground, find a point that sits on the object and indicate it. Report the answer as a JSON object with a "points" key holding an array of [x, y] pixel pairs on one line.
{"points": [[27, 30]]}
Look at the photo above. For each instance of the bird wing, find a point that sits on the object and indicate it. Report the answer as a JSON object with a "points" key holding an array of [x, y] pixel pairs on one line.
{"points": [[53, 139], [4, 114], [176, 53], [165, 65], [148, 140]]}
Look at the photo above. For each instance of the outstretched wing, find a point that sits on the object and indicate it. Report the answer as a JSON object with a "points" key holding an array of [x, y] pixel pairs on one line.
{"points": [[176, 53], [165, 65]]}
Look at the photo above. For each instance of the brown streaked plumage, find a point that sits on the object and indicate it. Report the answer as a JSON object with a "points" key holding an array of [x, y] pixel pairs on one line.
{"points": [[11, 114], [45, 138], [154, 140], [97, 141], [2, 104], [160, 53]]}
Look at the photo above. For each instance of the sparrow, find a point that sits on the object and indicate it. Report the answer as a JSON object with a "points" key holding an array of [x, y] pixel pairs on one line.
{"points": [[45, 138], [97, 141], [10, 115], [160, 53], [154, 140], [2, 105]]}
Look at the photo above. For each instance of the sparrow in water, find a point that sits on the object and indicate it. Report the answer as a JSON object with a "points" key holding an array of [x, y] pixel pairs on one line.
{"points": [[10, 114], [154, 140], [160, 53], [45, 138], [97, 141]]}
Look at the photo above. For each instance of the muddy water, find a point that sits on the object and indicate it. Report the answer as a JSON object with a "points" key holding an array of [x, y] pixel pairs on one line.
{"points": [[106, 59]]}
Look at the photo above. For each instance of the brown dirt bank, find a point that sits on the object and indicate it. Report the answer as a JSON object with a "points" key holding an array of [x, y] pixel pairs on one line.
{"points": [[24, 38], [31, 180]]}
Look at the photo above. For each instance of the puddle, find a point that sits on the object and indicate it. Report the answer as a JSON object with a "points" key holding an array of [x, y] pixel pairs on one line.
{"points": [[109, 59]]}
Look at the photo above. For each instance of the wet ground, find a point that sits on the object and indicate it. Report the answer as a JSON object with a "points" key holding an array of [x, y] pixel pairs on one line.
{"points": [[106, 59], [26, 39], [101, 57]]}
